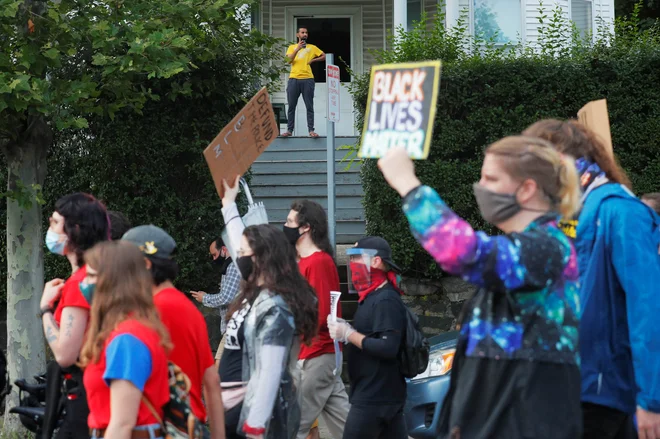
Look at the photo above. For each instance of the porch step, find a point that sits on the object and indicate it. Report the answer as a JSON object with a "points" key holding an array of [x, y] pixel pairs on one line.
{"points": [[296, 167]]}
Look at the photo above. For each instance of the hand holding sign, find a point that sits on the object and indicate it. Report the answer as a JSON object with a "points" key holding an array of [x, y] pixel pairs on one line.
{"points": [[401, 109], [399, 171]]}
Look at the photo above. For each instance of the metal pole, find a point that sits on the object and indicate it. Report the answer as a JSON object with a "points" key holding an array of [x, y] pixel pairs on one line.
{"points": [[329, 59]]}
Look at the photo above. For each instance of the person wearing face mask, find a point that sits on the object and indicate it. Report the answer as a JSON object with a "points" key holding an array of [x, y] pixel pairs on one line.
{"points": [[618, 240], [275, 310], [124, 356], [186, 325], [378, 387], [231, 280], [77, 224], [516, 369], [324, 393]]}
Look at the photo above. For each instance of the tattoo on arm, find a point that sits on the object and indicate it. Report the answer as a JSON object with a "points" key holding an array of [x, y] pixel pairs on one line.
{"points": [[52, 332], [69, 326]]}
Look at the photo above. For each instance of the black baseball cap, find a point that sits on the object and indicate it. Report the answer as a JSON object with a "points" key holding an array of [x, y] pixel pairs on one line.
{"points": [[151, 240], [382, 248]]}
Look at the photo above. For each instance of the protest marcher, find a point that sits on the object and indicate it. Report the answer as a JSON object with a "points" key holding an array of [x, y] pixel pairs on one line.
{"points": [[653, 201], [617, 239], [282, 312], [231, 280], [124, 354], [378, 387], [186, 325], [77, 224], [301, 80], [515, 372], [119, 224], [323, 392]]}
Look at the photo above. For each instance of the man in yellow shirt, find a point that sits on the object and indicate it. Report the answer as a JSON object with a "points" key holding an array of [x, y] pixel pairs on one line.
{"points": [[301, 80]]}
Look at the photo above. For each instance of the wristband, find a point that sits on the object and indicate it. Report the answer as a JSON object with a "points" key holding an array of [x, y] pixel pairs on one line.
{"points": [[253, 430], [45, 311]]}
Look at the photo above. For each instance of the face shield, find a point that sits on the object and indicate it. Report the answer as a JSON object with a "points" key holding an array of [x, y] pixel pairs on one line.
{"points": [[360, 267]]}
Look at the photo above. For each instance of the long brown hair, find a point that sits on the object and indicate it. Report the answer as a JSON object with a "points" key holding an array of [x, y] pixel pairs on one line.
{"points": [[123, 290], [573, 138], [536, 159], [275, 263]]}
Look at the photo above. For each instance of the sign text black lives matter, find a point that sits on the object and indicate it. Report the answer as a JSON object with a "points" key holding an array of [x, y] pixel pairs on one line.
{"points": [[401, 109]]}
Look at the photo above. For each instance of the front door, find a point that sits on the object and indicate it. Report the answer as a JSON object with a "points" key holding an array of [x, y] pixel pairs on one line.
{"points": [[333, 30]]}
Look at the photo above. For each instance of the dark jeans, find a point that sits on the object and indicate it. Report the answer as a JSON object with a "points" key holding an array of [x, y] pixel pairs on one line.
{"points": [[294, 89], [375, 422], [602, 422]]}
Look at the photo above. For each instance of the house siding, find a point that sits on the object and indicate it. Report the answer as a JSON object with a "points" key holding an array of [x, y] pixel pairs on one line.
{"points": [[532, 15]]}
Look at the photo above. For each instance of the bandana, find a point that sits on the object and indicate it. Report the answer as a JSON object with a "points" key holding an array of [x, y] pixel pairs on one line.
{"points": [[367, 281]]}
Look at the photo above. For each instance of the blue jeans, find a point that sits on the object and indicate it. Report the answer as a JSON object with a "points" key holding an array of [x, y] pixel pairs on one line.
{"points": [[151, 428]]}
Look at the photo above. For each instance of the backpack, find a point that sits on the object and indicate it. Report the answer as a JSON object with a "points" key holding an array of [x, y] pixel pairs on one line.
{"points": [[414, 353], [179, 421]]}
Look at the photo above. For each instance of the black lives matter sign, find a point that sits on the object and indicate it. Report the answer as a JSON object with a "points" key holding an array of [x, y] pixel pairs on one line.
{"points": [[401, 109]]}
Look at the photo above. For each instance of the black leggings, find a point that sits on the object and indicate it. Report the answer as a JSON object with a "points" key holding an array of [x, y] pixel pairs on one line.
{"points": [[602, 422], [232, 417]]}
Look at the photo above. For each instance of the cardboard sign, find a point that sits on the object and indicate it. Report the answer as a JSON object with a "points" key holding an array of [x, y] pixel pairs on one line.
{"points": [[594, 116], [401, 109], [239, 144]]}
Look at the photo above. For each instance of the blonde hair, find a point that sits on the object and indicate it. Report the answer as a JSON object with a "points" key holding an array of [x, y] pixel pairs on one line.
{"points": [[123, 291], [538, 160]]}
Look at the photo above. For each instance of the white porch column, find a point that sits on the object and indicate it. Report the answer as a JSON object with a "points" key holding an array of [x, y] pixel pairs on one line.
{"points": [[400, 15], [452, 13]]}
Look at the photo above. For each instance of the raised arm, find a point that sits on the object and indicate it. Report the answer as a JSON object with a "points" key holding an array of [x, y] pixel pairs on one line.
{"points": [[233, 222], [517, 261]]}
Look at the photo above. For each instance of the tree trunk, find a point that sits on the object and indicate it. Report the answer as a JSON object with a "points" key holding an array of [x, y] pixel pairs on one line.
{"points": [[26, 163]]}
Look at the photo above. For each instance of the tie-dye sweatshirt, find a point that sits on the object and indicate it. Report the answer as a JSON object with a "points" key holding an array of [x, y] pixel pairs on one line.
{"points": [[515, 372], [528, 307]]}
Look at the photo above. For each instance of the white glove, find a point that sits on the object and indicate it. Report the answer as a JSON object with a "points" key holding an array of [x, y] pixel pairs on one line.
{"points": [[340, 330]]}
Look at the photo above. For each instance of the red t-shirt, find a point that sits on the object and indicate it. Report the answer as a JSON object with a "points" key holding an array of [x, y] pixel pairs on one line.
{"points": [[321, 272], [156, 387], [71, 295], [192, 348]]}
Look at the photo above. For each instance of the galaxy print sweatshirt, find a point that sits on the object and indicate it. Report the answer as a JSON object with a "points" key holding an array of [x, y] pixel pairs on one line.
{"points": [[516, 369]]}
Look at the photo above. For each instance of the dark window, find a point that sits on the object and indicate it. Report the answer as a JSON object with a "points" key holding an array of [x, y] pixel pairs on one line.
{"points": [[331, 35]]}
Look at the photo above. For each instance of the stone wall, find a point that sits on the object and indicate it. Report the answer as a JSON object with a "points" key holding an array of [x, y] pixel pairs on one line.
{"points": [[437, 303]]}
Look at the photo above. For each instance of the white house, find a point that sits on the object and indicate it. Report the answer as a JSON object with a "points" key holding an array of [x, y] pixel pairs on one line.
{"points": [[350, 29]]}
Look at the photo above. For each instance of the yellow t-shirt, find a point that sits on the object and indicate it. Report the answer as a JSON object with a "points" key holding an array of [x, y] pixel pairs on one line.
{"points": [[300, 68]]}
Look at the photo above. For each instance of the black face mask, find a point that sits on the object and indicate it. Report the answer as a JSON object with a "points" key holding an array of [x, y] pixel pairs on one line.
{"points": [[245, 266], [292, 234], [219, 260]]}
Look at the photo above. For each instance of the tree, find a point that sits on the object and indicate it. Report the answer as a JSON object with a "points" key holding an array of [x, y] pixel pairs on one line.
{"points": [[63, 62]]}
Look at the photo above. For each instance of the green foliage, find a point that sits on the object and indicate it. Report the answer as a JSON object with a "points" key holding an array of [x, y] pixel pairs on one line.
{"points": [[69, 60], [488, 92], [132, 126]]}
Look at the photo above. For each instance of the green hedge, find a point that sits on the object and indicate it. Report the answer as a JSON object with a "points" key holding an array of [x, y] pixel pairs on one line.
{"points": [[150, 166], [499, 92]]}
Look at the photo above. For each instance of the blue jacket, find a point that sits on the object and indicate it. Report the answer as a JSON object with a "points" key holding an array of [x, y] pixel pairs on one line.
{"points": [[618, 240]]}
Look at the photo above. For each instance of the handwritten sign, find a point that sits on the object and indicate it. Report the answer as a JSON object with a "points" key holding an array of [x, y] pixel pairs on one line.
{"points": [[242, 141], [594, 116], [401, 109]]}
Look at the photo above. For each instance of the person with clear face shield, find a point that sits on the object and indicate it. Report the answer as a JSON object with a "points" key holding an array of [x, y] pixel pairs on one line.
{"points": [[516, 370], [378, 386]]}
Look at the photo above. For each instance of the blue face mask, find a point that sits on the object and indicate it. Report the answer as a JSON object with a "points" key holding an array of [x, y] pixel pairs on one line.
{"points": [[53, 242], [87, 291]]}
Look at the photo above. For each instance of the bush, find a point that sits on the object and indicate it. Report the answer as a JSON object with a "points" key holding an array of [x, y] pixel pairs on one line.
{"points": [[150, 166], [488, 92]]}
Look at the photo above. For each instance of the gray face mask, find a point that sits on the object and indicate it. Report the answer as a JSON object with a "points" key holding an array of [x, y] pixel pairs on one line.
{"points": [[494, 207]]}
